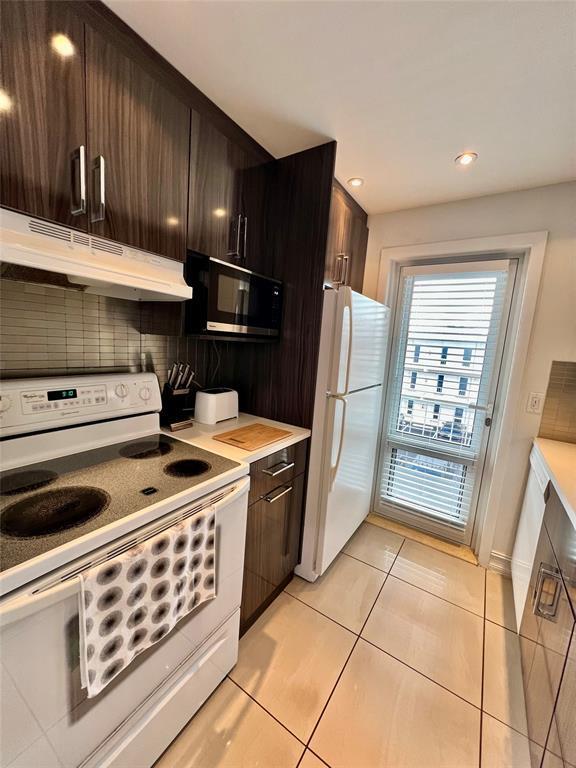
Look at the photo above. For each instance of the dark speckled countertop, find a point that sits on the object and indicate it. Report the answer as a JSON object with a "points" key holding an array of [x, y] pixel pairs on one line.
{"points": [[126, 485]]}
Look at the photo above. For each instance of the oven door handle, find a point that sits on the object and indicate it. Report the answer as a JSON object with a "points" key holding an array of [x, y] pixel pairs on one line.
{"points": [[25, 605]]}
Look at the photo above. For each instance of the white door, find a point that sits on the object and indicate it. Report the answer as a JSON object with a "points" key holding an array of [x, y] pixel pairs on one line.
{"points": [[450, 326]]}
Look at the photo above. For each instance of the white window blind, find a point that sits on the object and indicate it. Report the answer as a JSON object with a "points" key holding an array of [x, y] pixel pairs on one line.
{"points": [[449, 325]]}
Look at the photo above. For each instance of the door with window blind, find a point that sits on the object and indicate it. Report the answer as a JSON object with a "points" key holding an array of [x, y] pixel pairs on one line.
{"points": [[450, 327]]}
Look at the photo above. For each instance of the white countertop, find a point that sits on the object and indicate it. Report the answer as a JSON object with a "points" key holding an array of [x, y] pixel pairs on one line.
{"points": [[560, 461], [202, 435]]}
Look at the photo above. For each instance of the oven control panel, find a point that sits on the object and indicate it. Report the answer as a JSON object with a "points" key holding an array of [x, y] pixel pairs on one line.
{"points": [[30, 405]]}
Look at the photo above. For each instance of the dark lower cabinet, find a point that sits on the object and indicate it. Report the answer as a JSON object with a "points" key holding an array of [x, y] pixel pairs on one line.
{"points": [[138, 137], [272, 535], [547, 641], [42, 121]]}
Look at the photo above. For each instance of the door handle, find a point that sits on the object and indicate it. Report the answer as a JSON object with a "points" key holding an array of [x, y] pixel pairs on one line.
{"points": [[269, 499], [334, 469], [546, 599], [99, 189], [277, 469], [78, 181], [346, 266], [338, 269], [245, 239], [237, 227]]}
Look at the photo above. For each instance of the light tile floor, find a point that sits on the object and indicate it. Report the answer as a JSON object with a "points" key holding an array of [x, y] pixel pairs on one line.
{"points": [[400, 656]]}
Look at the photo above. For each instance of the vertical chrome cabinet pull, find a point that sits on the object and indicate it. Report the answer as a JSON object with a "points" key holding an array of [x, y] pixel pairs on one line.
{"points": [[99, 191], [236, 233], [547, 592], [245, 240], [78, 181], [338, 267], [345, 268]]}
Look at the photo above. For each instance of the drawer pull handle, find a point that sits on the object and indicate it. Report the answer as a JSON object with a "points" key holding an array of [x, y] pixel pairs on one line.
{"points": [[547, 592], [271, 499], [277, 469]]}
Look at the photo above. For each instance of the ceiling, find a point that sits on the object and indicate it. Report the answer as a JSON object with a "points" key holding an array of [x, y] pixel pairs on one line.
{"points": [[402, 86]]}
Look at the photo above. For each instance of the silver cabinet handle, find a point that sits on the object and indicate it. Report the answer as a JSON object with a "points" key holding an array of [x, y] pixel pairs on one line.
{"points": [[271, 499], [78, 181], [235, 252], [277, 469], [99, 179], [545, 603], [338, 267], [346, 265], [244, 251]]}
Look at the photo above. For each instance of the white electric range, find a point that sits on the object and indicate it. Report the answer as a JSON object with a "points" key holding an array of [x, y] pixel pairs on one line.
{"points": [[86, 475]]}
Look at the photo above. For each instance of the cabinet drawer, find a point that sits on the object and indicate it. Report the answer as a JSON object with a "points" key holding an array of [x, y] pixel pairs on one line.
{"points": [[276, 469], [272, 544]]}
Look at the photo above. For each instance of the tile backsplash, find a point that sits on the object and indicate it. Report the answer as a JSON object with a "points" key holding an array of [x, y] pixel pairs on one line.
{"points": [[50, 331], [559, 413]]}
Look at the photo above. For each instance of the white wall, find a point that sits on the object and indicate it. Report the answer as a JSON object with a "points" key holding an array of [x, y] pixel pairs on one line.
{"points": [[553, 335]]}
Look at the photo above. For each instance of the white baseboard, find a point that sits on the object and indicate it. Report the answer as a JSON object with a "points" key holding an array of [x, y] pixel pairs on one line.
{"points": [[500, 563]]}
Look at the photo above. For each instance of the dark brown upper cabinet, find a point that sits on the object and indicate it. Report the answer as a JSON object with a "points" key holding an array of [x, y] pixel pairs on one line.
{"points": [[138, 137], [347, 241], [42, 116], [226, 197]]}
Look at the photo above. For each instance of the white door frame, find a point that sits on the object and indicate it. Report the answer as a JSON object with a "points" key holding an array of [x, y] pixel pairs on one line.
{"points": [[530, 248]]}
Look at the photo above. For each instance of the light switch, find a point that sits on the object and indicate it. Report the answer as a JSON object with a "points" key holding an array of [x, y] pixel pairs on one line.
{"points": [[535, 402]]}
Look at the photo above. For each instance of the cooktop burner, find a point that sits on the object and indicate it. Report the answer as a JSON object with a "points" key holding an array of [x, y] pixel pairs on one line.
{"points": [[146, 449], [187, 468], [26, 480], [88, 490], [50, 512]]}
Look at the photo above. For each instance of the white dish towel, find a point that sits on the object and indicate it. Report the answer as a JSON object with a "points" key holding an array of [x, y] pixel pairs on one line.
{"points": [[134, 600]]}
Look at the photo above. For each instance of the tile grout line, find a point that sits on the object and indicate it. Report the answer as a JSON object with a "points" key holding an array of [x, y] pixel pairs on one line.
{"points": [[483, 663], [382, 650], [364, 562], [351, 652], [424, 544], [265, 710], [479, 615]]}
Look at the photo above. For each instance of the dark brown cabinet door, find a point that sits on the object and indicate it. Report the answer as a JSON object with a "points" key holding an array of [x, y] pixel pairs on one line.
{"points": [[272, 544], [42, 117], [227, 190], [138, 137], [347, 242], [358, 246]]}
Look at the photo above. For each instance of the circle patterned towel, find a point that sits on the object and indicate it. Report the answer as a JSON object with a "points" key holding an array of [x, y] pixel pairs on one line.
{"points": [[132, 601]]}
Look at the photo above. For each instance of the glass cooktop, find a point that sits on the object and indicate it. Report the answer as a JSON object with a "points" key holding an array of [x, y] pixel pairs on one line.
{"points": [[45, 505]]}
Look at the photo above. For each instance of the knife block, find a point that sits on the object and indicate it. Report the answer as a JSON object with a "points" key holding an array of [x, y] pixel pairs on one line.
{"points": [[177, 408]]}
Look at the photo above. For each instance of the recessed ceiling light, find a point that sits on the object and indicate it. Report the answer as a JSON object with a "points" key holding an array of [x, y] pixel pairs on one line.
{"points": [[356, 181], [63, 45], [466, 158]]}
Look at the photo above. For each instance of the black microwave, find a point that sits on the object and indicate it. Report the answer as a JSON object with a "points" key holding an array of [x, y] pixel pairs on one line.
{"points": [[230, 301]]}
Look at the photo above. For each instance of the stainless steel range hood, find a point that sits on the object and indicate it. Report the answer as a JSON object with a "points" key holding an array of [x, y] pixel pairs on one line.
{"points": [[98, 265]]}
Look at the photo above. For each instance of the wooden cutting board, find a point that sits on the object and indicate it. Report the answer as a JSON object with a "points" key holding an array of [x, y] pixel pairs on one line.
{"points": [[252, 437]]}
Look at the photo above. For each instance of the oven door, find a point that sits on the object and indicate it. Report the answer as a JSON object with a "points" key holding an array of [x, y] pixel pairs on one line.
{"points": [[242, 302], [47, 718]]}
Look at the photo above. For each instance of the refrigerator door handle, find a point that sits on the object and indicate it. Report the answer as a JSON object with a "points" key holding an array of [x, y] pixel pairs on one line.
{"points": [[334, 468], [347, 305]]}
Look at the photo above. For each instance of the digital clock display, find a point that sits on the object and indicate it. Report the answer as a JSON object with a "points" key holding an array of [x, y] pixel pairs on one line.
{"points": [[63, 394]]}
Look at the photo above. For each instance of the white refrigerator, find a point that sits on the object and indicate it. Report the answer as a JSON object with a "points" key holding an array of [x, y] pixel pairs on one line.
{"points": [[346, 422]]}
